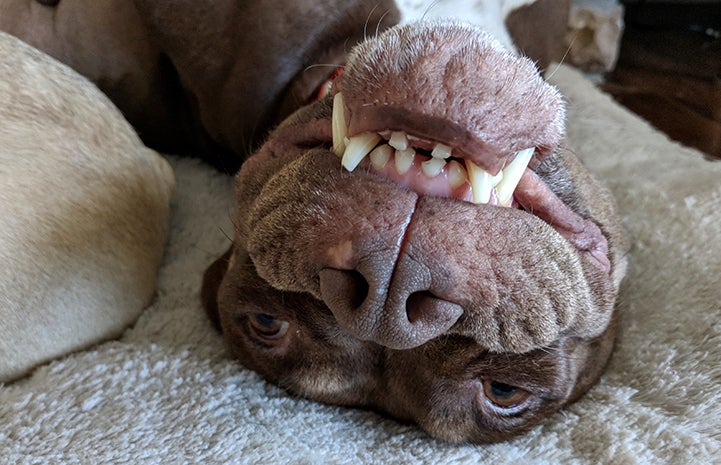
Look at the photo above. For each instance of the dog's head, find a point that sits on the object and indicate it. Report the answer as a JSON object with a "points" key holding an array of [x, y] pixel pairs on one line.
{"points": [[422, 243]]}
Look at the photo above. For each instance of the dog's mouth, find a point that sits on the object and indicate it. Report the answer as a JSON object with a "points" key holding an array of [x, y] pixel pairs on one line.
{"points": [[427, 166], [431, 167]]}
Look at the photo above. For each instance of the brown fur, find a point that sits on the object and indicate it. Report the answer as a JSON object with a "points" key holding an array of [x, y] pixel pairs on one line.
{"points": [[429, 309]]}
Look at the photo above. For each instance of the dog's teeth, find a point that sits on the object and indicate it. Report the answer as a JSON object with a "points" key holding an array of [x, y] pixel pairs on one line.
{"points": [[404, 160], [354, 149], [441, 151], [398, 140], [358, 147], [481, 182], [512, 175], [340, 130], [380, 156], [456, 174], [433, 167]]}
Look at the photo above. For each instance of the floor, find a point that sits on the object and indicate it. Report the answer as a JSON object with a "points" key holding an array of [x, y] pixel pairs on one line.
{"points": [[669, 71]]}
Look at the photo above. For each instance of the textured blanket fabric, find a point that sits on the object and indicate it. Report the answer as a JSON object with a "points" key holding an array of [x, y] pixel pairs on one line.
{"points": [[168, 392]]}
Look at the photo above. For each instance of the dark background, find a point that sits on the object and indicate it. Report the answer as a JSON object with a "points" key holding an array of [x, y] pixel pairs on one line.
{"points": [[669, 69]]}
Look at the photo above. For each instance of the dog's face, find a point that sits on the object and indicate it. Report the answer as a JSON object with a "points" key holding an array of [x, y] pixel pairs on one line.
{"points": [[462, 275]]}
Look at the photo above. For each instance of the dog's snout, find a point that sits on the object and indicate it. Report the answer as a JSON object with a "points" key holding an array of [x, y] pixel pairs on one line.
{"points": [[398, 315]]}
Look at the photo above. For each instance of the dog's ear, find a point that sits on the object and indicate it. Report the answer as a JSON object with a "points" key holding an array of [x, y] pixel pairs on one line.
{"points": [[212, 278], [238, 60]]}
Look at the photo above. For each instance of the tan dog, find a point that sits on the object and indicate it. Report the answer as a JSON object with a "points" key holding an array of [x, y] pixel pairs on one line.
{"points": [[419, 281], [84, 207]]}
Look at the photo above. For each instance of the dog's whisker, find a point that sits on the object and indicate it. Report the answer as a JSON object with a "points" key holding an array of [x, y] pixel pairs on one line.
{"points": [[368, 18], [430, 7], [227, 236], [563, 58], [380, 21], [320, 65]]}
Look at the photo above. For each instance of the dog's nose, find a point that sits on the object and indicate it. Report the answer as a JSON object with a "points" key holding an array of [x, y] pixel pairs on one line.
{"points": [[395, 309]]}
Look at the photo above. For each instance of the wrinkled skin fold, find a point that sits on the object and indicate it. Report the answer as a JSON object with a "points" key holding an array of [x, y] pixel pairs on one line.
{"points": [[474, 320]]}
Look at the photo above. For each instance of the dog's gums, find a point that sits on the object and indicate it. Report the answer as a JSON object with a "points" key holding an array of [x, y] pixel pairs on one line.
{"points": [[421, 242]]}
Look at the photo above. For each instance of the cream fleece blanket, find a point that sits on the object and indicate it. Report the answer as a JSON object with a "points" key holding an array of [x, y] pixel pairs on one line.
{"points": [[168, 392]]}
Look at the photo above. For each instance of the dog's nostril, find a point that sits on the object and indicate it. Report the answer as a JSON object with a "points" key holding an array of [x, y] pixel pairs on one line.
{"points": [[416, 305], [424, 308], [357, 287], [343, 288]]}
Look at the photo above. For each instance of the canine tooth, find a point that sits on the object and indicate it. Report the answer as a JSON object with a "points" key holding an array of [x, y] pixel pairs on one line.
{"points": [[441, 151], [433, 167], [481, 182], [380, 156], [398, 140], [340, 130], [495, 180], [456, 174], [358, 147], [512, 174], [404, 160]]}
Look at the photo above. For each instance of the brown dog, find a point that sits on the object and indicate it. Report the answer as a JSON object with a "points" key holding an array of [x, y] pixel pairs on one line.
{"points": [[464, 279], [404, 292]]}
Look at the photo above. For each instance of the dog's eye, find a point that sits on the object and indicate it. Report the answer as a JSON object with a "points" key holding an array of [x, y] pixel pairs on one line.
{"points": [[504, 395], [267, 327]]}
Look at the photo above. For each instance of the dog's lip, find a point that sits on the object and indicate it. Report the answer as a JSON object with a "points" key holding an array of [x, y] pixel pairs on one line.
{"points": [[312, 127], [421, 157]]}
